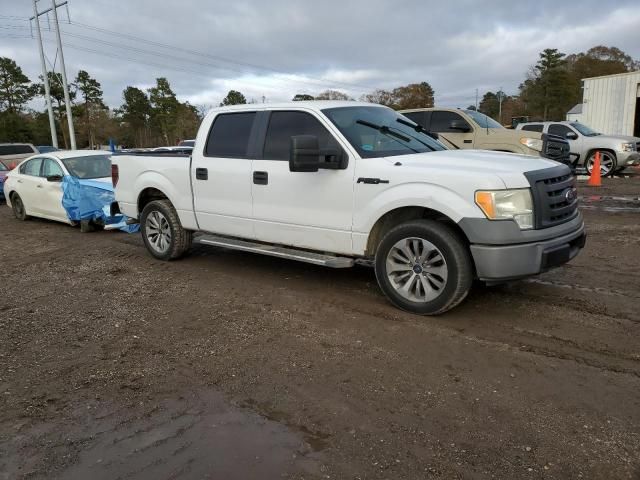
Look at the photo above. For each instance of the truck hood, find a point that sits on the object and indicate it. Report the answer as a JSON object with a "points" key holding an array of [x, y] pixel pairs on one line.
{"points": [[621, 138], [509, 167], [514, 135]]}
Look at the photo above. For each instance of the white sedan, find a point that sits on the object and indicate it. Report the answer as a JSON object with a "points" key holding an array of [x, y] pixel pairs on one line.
{"points": [[34, 187]]}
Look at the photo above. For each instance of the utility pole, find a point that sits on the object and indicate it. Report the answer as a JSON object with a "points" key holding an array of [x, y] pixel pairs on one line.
{"points": [[476, 99], [45, 79], [500, 98], [65, 85]]}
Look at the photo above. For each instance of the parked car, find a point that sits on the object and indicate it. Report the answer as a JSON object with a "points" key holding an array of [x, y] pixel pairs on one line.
{"points": [[11, 154], [468, 129], [338, 183], [3, 176], [46, 149], [616, 151], [35, 187]]}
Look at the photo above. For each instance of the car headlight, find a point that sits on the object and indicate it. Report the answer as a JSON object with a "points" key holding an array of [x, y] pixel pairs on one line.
{"points": [[515, 205], [628, 147], [533, 143]]}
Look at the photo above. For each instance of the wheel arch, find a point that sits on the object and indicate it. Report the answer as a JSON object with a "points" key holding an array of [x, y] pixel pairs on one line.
{"points": [[149, 194], [400, 215]]}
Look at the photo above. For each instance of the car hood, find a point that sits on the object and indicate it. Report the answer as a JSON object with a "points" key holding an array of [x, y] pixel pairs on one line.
{"points": [[509, 167], [622, 138]]}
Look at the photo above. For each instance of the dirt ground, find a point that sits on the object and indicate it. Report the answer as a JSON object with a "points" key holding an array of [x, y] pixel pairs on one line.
{"points": [[228, 365]]}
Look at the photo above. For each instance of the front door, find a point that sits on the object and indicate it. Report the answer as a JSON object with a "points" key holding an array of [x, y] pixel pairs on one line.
{"points": [[306, 209], [221, 177], [453, 128]]}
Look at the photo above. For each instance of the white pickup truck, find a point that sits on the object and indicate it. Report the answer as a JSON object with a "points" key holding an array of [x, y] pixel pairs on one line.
{"points": [[338, 183]]}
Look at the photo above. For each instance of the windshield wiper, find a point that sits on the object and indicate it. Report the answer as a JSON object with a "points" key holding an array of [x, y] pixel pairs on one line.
{"points": [[419, 129], [384, 129]]}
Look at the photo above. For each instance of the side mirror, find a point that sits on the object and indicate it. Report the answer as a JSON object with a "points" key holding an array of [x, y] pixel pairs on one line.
{"points": [[304, 153], [54, 178], [571, 136], [460, 125]]}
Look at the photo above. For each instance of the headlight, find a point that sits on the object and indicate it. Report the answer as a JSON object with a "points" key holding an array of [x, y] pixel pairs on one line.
{"points": [[507, 205], [628, 147], [533, 143]]}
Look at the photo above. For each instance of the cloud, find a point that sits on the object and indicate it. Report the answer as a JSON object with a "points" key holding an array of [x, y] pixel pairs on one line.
{"points": [[279, 48]]}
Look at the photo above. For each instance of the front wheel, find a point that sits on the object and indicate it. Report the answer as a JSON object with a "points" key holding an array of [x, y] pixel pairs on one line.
{"points": [[162, 231], [424, 267], [608, 163]]}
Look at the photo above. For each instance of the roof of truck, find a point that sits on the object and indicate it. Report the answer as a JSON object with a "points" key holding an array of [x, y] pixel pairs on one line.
{"points": [[310, 104]]}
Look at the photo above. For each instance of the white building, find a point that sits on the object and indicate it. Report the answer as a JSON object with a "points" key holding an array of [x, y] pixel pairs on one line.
{"points": [[611, 104], [575, 114]]}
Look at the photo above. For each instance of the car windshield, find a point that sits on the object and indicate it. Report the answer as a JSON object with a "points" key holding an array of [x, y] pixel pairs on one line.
{"points": [[90, 166], [380, 132], [482, 120], [584, 130]]}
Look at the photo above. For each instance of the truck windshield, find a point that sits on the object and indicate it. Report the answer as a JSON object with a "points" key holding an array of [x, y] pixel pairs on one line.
{"points": [[380, 132], [482, 120], [584, 130], [91, 166]]}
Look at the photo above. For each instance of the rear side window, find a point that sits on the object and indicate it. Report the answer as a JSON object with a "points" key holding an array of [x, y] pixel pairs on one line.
{"points": [[32, 167], [559, 129], [417, 117], [284, 125], [532, 128], [229, 136], [16, 149]]}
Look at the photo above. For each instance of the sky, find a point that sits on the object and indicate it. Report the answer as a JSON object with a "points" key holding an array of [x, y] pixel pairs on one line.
{"points": [[271, 50]]}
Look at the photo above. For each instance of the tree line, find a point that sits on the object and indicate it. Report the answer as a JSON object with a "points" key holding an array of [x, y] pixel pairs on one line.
{"points": [[156, 117]]}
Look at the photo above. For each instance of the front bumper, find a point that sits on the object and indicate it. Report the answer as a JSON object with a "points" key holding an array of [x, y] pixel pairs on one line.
{"points": [[627, 159], [499, 263]]}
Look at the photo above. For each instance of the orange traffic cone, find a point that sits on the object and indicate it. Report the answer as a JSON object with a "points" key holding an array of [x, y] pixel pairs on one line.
{"points": [[594, 179]]}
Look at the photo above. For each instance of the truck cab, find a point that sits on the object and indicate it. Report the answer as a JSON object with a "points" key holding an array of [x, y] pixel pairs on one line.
{"points": [[469, 129], [340, 183]]}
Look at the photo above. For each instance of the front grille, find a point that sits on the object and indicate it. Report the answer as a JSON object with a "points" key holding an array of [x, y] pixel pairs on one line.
{"points": [[555, 148], [553, 204]]}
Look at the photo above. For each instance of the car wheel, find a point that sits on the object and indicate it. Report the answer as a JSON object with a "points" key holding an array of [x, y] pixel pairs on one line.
{"points": [[162, 231], [19, 210], [608, 163], [424, 267]]}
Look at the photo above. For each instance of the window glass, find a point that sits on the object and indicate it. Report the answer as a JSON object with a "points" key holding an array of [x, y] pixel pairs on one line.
{"points": [[51, 168], [441, 122], [380, 132], [32, 167], [559, 129], [483, 121], [229, 136], [417, 117], [91, 166], [532, 128], [583, 129], [3, 167], [284, 125], [16, 149]]}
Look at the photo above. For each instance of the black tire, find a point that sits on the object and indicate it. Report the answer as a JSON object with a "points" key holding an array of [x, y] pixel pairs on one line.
{"points": [[17, 205], [457, 262], [180, 239]]}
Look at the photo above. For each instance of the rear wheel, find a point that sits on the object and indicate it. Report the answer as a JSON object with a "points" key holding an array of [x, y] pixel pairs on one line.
{"points": [[608, 163], [17, 205], [424, 267], [162, 231]]}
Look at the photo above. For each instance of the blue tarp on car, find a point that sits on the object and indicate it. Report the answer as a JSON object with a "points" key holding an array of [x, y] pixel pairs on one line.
{"points": [[91, 200]]}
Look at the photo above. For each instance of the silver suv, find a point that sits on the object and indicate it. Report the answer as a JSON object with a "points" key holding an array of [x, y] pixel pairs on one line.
{"points": [[616, 151]]}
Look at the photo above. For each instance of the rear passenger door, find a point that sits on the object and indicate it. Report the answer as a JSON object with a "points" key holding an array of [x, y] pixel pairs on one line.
{"points": [[29, 185], [305, 209], [221, 176]]}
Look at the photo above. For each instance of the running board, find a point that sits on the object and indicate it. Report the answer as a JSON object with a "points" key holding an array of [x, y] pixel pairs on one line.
{"points": [[276, 251]]}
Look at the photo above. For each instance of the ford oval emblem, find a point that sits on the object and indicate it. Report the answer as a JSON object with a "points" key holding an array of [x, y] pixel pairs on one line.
{"points": [[571, 195]]}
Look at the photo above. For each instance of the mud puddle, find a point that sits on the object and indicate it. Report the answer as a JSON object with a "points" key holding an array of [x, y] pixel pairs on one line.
{"points": [[199, 437], [611, 203]]}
